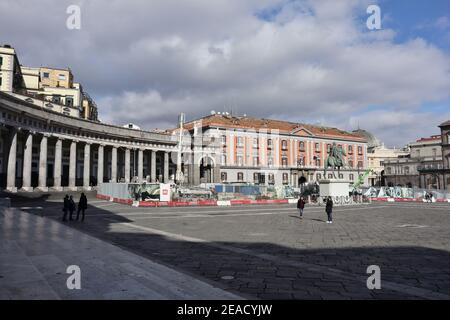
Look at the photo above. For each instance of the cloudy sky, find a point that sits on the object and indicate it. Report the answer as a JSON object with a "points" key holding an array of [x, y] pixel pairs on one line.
{"points": [[307, 61]]}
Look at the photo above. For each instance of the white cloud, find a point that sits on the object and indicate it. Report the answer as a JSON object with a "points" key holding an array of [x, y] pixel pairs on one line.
{"points": [[147, 61]]}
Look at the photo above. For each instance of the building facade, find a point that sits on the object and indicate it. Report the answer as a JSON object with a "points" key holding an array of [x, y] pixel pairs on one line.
{"points": [[43, 149], [425, 166], [54, 87], [272, 152]]}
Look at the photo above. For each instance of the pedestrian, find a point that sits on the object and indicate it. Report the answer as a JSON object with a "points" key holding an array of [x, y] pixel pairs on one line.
{"points": [[300, 206], [72, 207], [66, 206], [329, 210], [82, 206]]}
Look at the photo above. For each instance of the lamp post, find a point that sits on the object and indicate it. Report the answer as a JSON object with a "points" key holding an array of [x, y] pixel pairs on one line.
{"points": [[179, 173]]}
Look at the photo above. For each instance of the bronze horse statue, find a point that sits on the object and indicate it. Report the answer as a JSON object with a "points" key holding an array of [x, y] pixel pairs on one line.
{"points": [[335, 160]]}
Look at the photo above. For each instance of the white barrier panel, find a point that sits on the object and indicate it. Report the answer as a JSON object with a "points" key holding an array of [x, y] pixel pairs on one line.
{"points": [[224, 203], [391, 200], [292, 200]]}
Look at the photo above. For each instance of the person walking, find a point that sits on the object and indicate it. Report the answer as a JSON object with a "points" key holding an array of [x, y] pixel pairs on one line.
{"points": [[82, 206], [66, 206], [72, 207], [301, 206], [329, 210]]}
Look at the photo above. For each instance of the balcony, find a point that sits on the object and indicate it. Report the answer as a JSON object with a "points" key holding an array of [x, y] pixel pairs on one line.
{"points": [[430, 167]]}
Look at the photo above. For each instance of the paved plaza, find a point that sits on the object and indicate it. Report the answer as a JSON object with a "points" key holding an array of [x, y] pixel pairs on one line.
{"points": [[262, 252]]}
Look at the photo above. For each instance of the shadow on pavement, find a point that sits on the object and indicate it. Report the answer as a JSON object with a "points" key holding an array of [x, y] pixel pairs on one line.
{"points": [[270, 271]]}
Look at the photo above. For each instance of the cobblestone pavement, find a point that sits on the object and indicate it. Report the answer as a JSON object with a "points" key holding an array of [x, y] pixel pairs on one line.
{"points": [[268, 252]]}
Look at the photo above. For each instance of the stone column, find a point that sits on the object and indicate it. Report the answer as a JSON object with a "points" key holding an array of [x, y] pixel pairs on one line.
{"points": [[153, 167], [11, 173], [100, 164], [42, 185], [127, 165], [73, 165], [27, 159], [140, 165], [87, 166], [166, 167], [216, 173], [114, 164], [57, 166]]}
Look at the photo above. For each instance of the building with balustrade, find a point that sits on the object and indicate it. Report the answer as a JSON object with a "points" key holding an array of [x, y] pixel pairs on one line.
{"points": [[425, 166], [273, 152]]}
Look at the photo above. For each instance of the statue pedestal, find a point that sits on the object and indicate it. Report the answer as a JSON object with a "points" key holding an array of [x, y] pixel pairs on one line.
{"points": [[334, 188]]}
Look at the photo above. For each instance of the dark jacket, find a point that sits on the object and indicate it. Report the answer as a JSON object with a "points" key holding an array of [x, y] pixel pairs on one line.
{"points": [[300, 204], [83, 202], [71, 205], [329, 206], [66, 204]]}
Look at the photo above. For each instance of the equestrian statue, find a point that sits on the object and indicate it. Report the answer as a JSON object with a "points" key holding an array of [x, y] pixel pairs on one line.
{"points": [[335, 159]]}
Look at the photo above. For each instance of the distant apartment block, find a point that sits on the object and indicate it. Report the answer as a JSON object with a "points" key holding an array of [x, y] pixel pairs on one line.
{"points": [[52, 88]]}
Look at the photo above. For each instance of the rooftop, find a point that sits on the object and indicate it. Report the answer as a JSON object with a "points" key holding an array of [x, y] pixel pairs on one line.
{"points": [[244, 122]]}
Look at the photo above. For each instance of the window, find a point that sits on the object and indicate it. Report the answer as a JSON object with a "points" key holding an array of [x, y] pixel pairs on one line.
{"points": [[271, 178], [56, 98], [388, 170], [69, 102], [406, 170], [341, 176], [350, 149], [360, 164], [256, 177], [285, 178], [1, 61], [301, 161], [350, 163], [62, 77], [240, 176], [255, 161], [284, 145], [317, 161], [351, 177], [255, 143], [301, 146], [240, 141], [317, 146], [269, 143], [434, 152], [284, 162], [223, 176], [46, 75], [330, 176], [0, 81], [223, 159], [224, 139], [360, 150], [270, 161], [318, 176], [240, 160], [328, 148]]}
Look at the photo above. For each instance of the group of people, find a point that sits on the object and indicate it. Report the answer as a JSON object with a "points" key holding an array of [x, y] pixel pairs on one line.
{"points": [[428, 197], [328, 208], [70, 207]]}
